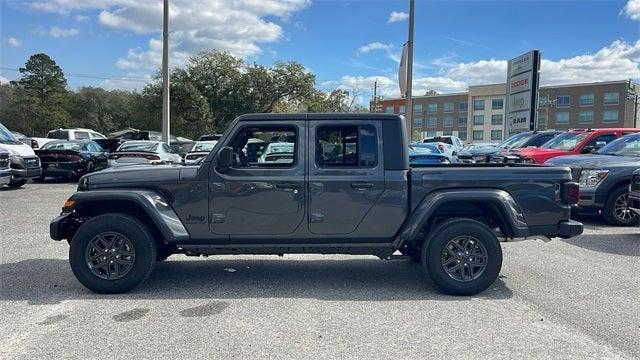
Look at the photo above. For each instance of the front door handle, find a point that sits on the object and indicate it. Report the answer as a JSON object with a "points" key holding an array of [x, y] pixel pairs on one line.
{"points": [[288, 186], [362, 185]]}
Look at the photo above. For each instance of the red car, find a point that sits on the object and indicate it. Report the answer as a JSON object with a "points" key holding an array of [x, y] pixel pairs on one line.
{"points": [[576, 141]]}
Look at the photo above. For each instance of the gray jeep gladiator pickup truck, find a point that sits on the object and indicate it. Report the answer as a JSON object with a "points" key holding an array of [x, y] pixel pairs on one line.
{"points": [[312, 183]]}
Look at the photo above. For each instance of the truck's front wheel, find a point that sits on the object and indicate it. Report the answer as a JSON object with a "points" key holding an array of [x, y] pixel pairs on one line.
{"points": [[462, 256], [112, 253]]}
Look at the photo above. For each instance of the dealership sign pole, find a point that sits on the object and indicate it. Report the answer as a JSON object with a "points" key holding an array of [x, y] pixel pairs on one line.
{"points": [[523, 78]]}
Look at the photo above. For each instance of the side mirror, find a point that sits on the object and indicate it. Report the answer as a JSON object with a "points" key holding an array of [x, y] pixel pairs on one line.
{"points": [[225, 157]]}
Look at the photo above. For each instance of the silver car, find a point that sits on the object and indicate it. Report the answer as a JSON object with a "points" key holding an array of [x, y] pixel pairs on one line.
{"points": [[200, 150], [143, 152]]}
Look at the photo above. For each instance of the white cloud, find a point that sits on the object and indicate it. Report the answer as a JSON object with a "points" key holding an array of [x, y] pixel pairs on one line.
{"points": [[133, 81], [56, 32], [632, 9], [396, 16], [4, 80], [387, 48], [238, 27], [618, 61], [15, 42], [82, 18]]}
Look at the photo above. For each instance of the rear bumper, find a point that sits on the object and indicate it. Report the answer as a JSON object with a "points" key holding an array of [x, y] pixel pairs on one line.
{"points": [[63, 169], [564, 229], [21, 174], [634, 202]]}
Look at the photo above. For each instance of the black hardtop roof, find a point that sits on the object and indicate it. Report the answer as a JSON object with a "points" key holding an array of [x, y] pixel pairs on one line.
{"points": [[320, 116]]}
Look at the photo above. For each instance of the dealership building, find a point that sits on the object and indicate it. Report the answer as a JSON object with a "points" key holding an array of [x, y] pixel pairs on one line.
{"points": [[478, 115]]}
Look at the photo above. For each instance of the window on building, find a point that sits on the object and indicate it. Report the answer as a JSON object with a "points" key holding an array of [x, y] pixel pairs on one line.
{"points": [[417, 108], [462, 134], [447, 132], [563, 100], [431, 133], [463, 106], [403, 109], [610, 116], [611, 98], [462, 121], [447, 121], [478, 119], [432, 122], [417, 122], [585, 117], [432, 108], [497, 104], [496, 134], [542, 121], [478, 135], [388, 109], [478, 104], [346, 146], [447, 107], [496, 119], [562, 117], [586, 99]]}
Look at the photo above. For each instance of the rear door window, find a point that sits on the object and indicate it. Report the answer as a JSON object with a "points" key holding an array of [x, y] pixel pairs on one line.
{"points": [[346, 146]]}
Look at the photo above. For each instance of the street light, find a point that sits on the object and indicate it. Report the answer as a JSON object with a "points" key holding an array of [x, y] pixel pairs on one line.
{"points": [[166, 129]]}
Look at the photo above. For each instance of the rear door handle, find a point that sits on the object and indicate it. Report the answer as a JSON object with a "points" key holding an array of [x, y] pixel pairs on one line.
{"points": [[362, 185], [289, 186]]}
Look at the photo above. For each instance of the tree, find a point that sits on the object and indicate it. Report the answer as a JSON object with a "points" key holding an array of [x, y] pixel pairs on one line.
{"points": [[335, 101], [41, 95]]}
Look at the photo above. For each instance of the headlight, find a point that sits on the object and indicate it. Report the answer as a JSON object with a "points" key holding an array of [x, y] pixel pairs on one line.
{"points": [[591, 178]]}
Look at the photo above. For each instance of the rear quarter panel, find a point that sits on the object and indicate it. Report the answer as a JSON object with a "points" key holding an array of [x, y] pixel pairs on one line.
{"points": [[536, 189]]}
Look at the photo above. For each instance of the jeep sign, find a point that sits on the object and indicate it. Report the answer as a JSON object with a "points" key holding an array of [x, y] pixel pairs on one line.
{"points": [[522, 92]]}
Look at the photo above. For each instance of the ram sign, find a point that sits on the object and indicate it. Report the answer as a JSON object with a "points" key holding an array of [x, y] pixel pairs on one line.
{"points": [[522, 92]]}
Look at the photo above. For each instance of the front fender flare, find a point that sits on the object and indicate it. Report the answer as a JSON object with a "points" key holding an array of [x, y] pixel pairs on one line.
{"points": [[499, 198], [152, 203]]}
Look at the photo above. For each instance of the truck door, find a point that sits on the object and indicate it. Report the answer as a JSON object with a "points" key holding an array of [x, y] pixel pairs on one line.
{"points": [[345, 177], [263, 193]]}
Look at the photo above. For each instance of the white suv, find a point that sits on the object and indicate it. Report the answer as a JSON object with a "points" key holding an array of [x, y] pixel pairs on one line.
{"points": [[63, 134]]}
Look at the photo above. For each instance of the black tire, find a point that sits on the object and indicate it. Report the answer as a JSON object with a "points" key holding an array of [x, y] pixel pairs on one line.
{"points": [[139, 236], [17, 183], [614, 216], [481, 238]]}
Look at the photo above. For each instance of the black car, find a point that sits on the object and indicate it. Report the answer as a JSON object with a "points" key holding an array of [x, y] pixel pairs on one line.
{"points": [[634, 192], [72, 158], [604, 179], [499, 152]]}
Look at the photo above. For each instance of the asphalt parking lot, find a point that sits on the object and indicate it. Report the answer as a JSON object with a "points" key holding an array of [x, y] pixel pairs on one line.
{"points": [[576, 298]]}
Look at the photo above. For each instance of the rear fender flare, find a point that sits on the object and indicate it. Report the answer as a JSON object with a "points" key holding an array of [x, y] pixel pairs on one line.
{"points": [[501, 199]]}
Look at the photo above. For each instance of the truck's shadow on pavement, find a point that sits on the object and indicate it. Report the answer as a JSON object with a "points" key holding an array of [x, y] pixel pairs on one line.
{"points": [[619, 244], [50, 281]]}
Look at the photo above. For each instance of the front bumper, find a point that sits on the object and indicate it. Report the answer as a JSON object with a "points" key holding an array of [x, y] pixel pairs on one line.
{"points": [[23, 174], [58, 226], [5, 177], [590, 200]]}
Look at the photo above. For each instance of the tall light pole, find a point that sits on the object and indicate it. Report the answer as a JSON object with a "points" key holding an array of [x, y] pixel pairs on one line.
{"points": [[166, 129], [409, 99]]}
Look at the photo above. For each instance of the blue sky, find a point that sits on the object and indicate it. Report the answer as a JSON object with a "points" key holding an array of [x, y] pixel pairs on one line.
{"points": [[115, 43]]}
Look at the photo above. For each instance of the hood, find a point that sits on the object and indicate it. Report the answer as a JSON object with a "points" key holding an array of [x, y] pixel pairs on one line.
{"points": [[18, 148], [540, 151], [595, 161], [135, 174]]}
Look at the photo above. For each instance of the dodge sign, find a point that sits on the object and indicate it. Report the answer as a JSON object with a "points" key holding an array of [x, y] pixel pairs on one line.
{"points": [[522, 92]]}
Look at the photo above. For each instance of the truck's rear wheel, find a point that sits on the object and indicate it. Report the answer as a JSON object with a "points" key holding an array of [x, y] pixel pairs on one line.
{"points": [[462, 257], [112, 253]]}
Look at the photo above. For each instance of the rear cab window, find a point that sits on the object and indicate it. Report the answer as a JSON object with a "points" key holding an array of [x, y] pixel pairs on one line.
{"points": [[346, 146], [58, 134]]}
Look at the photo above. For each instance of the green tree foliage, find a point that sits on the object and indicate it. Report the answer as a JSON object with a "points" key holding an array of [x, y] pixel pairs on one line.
{"points": [[206, 94]]}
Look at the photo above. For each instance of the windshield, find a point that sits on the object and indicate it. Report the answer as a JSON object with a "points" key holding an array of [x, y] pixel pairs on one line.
{"points": [[204, 146], [515, 141], [138, 146], [274, 148], [625, 146], [62, 145], [566, 141], [424, 148], [6, 137]]}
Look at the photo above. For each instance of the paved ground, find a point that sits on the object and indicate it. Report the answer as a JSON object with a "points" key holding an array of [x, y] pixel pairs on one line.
{"points": [[576, 298]]}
